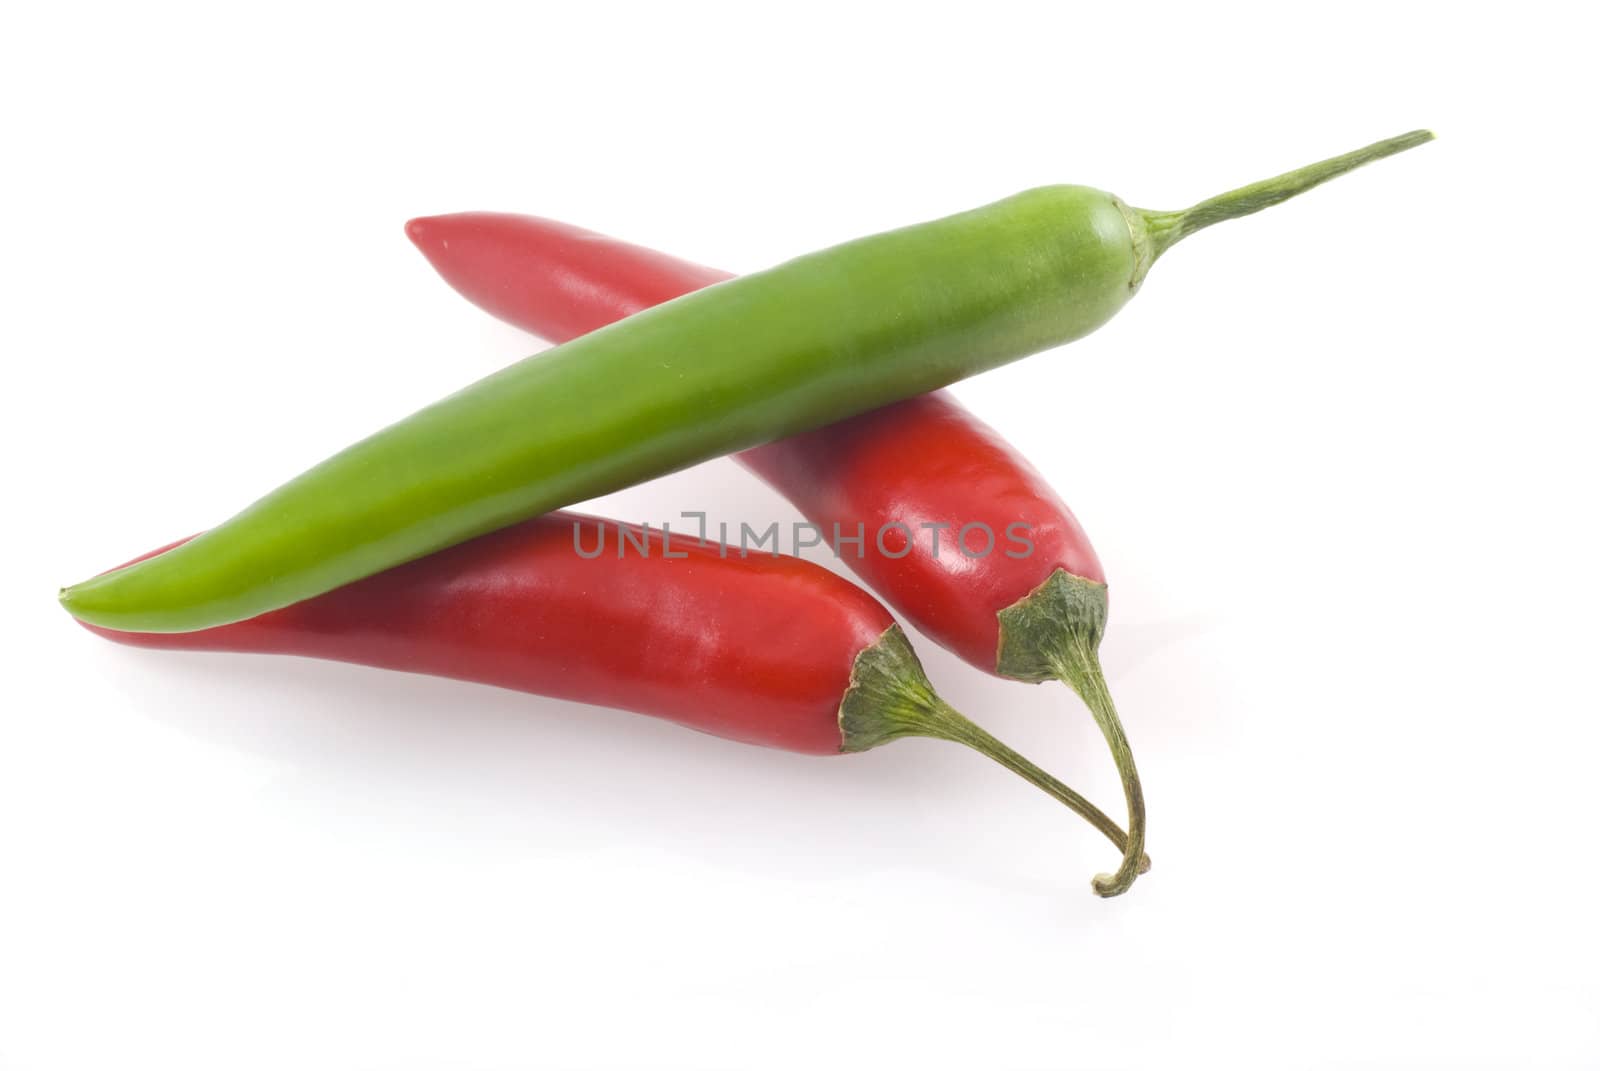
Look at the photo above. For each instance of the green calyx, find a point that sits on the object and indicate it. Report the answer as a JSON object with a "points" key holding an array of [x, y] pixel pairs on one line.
{"points": [[1154, 233], [1053, 633], [890, 697]]}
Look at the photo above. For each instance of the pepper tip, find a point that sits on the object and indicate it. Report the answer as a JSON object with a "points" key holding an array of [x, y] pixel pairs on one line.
{"points": [[417, 229]]}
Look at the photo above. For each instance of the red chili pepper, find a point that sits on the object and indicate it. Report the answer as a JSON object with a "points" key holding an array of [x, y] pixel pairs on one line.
{"points": [[1030, 616], [766, 649]]}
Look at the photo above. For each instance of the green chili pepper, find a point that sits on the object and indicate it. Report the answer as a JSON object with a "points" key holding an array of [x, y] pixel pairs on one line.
{"points": [[754, 359]]}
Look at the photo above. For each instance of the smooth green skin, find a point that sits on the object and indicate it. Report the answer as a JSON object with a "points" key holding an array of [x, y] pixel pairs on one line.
{"points": [[747, 361], [757, 358]]}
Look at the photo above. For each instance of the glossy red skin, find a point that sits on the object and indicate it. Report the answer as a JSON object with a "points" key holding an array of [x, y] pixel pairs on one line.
{"points": [[925, 460], [758, 649], [551, 279]]}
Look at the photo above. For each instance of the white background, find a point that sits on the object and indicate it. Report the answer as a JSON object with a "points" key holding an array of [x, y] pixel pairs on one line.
{"points": [[1338, 460]]}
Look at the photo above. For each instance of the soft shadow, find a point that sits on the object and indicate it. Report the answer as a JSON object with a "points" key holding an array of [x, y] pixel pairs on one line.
{"points": [[452, 767]]}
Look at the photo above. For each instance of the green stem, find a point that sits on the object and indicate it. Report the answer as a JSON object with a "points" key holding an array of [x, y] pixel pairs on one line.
{"points": [[1053, 633], [890, 697], [1163, 230], [950, 724], [1078, 666]]}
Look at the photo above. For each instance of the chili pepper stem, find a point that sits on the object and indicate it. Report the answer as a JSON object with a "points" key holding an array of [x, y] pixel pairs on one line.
{"points": [[890, 698], [1053, 633], [962, 730], [1156, 232], [1079, 668]]}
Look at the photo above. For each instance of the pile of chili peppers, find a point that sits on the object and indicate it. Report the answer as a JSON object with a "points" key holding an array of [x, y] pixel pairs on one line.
{"points": [[434, 546]]}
